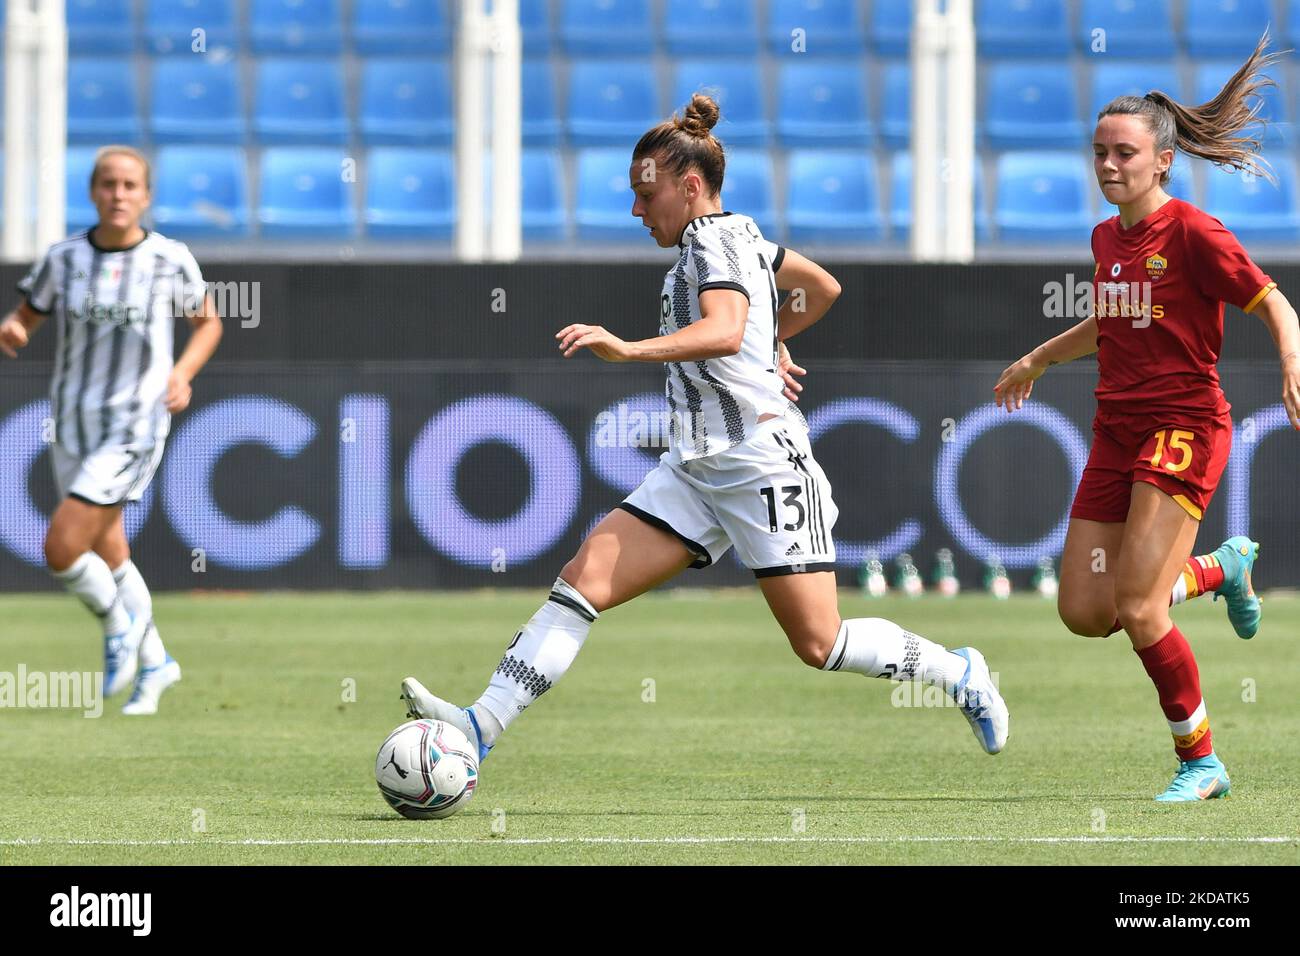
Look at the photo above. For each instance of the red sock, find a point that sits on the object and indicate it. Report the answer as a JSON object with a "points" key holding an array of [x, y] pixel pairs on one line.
{"points": [[1172, 668], [1201, 574]]}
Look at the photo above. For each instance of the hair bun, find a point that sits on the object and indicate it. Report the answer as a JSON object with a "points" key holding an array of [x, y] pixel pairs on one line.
{"points": [[700, 116]]}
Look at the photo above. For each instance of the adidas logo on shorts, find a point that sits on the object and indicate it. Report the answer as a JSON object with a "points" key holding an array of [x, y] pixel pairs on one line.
{"points": [[794, 549]]}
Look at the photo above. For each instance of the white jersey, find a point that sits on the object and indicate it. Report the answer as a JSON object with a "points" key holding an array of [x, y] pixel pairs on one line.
{"points": [[714, 404], [115, 310]]}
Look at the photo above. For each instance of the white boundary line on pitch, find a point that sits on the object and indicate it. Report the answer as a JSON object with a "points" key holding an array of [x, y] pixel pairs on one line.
{"points": [[652, 841]]}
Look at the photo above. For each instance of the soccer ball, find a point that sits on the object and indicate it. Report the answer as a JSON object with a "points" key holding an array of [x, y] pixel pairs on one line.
{"points": [[426, 769]]}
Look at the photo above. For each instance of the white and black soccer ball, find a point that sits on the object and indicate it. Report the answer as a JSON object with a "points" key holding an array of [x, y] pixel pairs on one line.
{"points": [[426, 769]]}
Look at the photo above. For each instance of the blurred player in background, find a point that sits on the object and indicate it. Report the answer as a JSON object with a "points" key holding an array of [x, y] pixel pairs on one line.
{"points": [[114, 292], [740, 470], [1162, 432]]}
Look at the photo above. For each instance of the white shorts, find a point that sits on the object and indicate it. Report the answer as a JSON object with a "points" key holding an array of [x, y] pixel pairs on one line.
{"points": [[108, 476], [767, 496]]}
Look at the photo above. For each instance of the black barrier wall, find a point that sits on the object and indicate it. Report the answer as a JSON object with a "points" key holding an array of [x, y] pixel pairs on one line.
{"points": [[388, 429]]}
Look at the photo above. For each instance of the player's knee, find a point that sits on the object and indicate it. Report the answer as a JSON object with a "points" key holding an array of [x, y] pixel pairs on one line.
{"points": [[59, 551], [1138, 612], [591, 587], [1084, 620], [813, 650]]}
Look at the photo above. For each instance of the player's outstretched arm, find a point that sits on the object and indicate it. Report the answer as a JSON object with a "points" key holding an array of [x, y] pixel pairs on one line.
{"points": [[1017, 380], [1277, 313], [17, 328], [812, 290]]}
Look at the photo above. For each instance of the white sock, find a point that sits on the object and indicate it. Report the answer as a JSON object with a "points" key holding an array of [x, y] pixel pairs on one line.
{"points": [[1179, 594], [139, 603], [879, 648], [535, 660], [92, 582]]}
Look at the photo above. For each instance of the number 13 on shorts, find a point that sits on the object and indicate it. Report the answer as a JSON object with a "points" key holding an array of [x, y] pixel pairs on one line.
{"points": [[1172, 451]]}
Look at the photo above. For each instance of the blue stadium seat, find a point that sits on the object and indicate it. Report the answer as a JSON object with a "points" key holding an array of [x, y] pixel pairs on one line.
{"points": [[103, 104], [896, 115], [196, 100], [540, 119], [611, 102], [409, 193], [1293, 24], [891, 28], [295, 26], [304, 195], [1022, 28], [1131, 28], [1227, 28], [1210, 78], [81, 213], [535, 24], [169, 25], [593, 27], [832, 196], [1128, 78], [1252, 207], [710, 27], [900, 204], [749, 188], [604, 206], [543, 210], [100, 26], [821, 103], [1031, 106], [201, 191], [401, 26], [299, 101], [829, 26], [1043, 197], [405, 100], [738, 88]]}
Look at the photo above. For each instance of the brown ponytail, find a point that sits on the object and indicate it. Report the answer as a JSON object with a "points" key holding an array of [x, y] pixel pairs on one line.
{"points": [[686, 142], [1209, 130]]}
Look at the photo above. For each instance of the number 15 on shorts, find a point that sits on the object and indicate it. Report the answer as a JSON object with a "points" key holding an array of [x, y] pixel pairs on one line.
{"points": [[1174, 453]]}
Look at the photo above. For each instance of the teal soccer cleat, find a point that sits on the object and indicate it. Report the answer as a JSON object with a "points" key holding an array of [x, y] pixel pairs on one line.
{"points": [[1204, 778], [1237, 557]]}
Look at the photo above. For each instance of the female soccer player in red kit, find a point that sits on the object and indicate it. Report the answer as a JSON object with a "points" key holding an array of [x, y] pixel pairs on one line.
{"points": [[1162, 432]]}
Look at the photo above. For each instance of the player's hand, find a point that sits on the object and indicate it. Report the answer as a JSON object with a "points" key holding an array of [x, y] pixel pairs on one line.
{"points": [[788, 370], [603, 343], [13, 336], [1017, 383], [178, 392], [1291, 389]]}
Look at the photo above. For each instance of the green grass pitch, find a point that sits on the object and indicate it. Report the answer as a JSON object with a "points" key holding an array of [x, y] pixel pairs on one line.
{"points": [[686, 732]]}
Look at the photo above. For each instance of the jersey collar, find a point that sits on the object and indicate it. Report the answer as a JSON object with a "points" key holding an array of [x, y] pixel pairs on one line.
{"points": [[90, 238], [695, 225]]}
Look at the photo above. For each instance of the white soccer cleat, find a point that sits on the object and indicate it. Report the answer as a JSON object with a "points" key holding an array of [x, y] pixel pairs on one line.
{"points": [[422, 704], [122, 656], [981, 703], [149, 686]]}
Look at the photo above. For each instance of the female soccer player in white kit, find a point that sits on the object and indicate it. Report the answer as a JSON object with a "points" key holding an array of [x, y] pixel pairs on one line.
{"points": [[739, 472], [113, 291]]}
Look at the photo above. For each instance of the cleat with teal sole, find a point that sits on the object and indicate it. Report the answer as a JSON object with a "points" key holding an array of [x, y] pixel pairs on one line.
{"points": [[1237, 557], [1204, 778]]}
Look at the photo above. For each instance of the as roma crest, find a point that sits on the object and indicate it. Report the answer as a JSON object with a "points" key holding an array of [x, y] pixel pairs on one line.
{"points": [[1156, 266]]}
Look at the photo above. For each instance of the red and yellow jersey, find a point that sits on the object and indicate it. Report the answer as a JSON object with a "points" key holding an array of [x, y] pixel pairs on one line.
{"points": [[1159, 291]]}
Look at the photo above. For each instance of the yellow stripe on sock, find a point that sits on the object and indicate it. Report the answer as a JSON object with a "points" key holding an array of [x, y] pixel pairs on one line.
{"points": [[1189, 579], [1187, 741]]}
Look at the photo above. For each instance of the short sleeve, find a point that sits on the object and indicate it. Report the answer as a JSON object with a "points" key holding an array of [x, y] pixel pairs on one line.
{"points": [[1220, 267], [189, 266], [40, 284], [774, 254], [715, 262]]}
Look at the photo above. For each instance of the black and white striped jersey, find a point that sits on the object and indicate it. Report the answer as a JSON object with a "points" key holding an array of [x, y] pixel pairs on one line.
{"points": [[715, 403], [115, 312]]}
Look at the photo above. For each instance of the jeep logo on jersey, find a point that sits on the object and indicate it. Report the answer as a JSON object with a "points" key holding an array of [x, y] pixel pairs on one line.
{"points": [[114, 313]]}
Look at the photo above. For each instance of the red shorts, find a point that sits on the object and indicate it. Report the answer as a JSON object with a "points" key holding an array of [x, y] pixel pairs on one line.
{"points": [[1182, 455]]}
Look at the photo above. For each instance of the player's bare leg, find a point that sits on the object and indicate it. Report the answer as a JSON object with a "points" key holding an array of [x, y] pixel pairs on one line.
{"points": [[806, 605], [1159, 535], [1089, 567], [76, 527], [622, 558], [158, 670]]}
